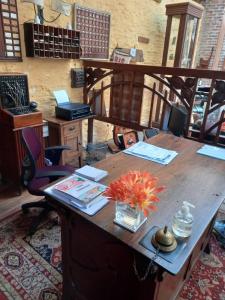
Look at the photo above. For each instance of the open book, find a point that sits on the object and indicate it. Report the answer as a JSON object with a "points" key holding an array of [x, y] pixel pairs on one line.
{"points": [[79, 190]]}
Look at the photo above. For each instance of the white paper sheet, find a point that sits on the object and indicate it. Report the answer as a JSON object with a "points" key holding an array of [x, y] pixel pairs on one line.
{"points": [[91, 210], [61, 97], [151, 152], [91, 173], [212, 151]]}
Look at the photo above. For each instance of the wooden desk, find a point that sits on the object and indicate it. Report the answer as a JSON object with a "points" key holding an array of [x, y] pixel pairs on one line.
{"points": [[12, 151], [98, 255]]}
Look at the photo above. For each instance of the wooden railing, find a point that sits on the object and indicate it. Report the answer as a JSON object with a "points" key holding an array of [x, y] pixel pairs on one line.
{"points": [[141, 96]]}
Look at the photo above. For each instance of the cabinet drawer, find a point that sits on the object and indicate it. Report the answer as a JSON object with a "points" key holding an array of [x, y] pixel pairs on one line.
{"points": [[74, 142], [71, 129], [70, 155], [73, 158]]}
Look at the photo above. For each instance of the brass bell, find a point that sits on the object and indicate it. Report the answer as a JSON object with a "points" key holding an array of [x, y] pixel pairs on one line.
{"points": [[164, 240]]}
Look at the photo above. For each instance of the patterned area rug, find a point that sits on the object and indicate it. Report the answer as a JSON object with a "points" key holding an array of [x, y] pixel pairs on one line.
{"points": [[207, 280], [30, 268]]}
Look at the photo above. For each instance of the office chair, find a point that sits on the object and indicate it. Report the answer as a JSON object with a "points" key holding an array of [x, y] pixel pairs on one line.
{"points": [[35, 178]]}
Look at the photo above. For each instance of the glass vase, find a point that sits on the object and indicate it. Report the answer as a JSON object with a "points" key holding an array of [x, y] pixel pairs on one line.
{"points": [[129, 217]]}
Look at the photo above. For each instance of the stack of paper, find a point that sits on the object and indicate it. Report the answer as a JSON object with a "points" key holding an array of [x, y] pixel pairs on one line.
{"points": [[91, 173], [151, 152], [212, 151], [80, 192]]}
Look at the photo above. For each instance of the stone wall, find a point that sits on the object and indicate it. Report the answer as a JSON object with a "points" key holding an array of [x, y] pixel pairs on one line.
{"points": [[127, 22], [129, 19]]}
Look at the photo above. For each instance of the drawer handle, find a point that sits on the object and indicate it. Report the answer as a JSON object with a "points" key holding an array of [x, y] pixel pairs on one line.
{"points": [[71, 128]]}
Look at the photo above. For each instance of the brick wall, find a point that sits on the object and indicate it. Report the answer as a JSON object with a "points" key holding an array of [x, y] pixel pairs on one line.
{"points": [[211, 24]]}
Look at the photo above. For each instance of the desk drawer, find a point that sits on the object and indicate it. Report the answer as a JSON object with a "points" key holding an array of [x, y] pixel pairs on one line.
{"points": [[72, 129]]}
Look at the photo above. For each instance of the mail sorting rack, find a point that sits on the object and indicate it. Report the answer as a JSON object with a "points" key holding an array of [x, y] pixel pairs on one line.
{"points": [[51, 42], [10, 48]]}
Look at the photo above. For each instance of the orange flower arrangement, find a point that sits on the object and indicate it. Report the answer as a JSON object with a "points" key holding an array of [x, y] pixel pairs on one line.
{"points": [[138, 189]]}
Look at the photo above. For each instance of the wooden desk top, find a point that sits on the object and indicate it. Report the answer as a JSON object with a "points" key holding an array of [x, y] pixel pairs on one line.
{"points": [[190, 176], [60, 122]]}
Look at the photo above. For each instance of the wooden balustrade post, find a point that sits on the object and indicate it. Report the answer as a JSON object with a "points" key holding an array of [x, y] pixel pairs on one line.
{"points": [[202, 131], [90, 130]]}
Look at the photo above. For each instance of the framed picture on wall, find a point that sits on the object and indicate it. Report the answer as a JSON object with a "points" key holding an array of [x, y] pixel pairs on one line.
{"points": [[94, 27]]}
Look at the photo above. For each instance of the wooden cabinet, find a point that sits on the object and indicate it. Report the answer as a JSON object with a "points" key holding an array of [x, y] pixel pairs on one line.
{"points": [[181, 33], [12, 151], [51, 42], [69, 133]]}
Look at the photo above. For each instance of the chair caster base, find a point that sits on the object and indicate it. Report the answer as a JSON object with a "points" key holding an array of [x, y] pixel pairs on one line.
{"points": [[207, 249], [25, 210]]}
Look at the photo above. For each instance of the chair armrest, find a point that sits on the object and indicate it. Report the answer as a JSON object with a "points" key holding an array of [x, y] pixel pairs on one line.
{"points": [[54, 153], [52, 174], [62, 147]]}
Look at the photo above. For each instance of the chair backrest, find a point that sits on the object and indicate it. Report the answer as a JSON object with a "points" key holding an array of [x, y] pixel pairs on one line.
{"points": [[33, 148], [177, 120]]}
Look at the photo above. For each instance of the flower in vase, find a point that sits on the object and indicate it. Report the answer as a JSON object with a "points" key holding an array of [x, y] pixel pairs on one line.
{"points": [[138, 189]]}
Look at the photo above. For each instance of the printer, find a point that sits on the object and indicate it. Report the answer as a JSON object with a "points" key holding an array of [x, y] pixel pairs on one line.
{"points": [[68, 110]]}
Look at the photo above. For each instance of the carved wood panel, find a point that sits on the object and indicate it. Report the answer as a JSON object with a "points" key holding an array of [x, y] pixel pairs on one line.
{"points": [[126, 98]]}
